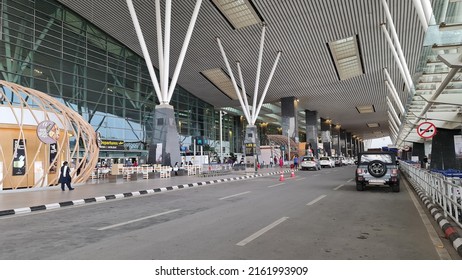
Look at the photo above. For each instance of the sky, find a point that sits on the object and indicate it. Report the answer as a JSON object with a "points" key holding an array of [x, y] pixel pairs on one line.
{"points": [[377, 142]]}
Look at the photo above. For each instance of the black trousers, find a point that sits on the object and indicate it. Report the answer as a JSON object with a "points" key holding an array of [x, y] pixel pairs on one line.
{"points": [[66, 183]]}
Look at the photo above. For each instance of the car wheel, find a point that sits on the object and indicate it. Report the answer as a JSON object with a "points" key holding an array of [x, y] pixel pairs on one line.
{"points": [[359, 187], [377, 168], [395, 187]]}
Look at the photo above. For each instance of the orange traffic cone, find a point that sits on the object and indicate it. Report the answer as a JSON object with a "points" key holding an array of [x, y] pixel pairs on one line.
{"points": [[281, 178], [292, 174]]}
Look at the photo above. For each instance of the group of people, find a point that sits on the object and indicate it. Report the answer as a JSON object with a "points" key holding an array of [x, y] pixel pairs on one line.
{"points": [[280, 161]]}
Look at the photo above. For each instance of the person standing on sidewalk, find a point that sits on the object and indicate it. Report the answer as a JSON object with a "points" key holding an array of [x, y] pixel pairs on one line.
{"points": [[296, 162], [65, 177]]}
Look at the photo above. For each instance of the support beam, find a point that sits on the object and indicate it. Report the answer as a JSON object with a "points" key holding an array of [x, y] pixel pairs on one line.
{"points": [[166, 74], [428, 11], [393, 112], [394, 93], [144, 49], [267, 85], [420, 12], [257, 78], [160, 45], [244, 93], [184, 48], [230, 71], [395, 55], [399, 49]]}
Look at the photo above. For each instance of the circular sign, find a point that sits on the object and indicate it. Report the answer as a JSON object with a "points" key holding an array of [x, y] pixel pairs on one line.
{"points": [[48, 132], [426, 130]]}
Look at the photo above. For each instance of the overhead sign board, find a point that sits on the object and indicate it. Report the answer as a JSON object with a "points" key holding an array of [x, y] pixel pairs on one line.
{"points": [[426, 130], [112, 145]]}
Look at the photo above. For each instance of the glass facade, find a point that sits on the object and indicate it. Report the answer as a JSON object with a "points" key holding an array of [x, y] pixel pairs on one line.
{"points": [[49, 48]]}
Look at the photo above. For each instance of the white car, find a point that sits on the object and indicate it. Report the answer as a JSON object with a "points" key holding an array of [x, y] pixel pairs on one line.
{"points": [[327, 162], [307, 163]]}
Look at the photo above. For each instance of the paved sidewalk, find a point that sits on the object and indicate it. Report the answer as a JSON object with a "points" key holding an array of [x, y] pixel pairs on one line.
{"points": [[24, 201]]}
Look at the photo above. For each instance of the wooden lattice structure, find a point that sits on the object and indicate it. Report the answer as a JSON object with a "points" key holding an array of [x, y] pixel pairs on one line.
{"points": [[21, 111]]}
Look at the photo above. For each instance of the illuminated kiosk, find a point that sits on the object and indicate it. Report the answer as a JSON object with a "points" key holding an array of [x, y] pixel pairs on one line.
{"points": [[38, 133], [252, 149]]}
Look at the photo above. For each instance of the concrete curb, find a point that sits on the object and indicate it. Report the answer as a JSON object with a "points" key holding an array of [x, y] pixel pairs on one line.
{"points": [[449, 231], [50, 206]]}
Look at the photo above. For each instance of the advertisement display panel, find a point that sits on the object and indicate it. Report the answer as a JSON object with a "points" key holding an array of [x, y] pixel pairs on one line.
{"points": [[19, 157], [53, 153]]}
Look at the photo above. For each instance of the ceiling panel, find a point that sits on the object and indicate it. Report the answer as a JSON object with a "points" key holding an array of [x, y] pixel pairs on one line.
{"points": [[299, 28]]}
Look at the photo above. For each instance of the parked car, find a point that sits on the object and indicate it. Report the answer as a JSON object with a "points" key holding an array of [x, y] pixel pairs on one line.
{"points": [[326, 162], [377, 168], [340, 161], [307, 163]]}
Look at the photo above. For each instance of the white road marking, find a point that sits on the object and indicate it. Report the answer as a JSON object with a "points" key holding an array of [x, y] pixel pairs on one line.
{"points": [[140, 219], [229, 196], [299, 179], [261, 232], [272, 186], [316, 200], [316, 175], [350, 180], [339, 187]]}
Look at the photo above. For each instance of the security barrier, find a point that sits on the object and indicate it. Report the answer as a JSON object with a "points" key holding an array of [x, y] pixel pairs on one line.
{"points": [[443, 187]]}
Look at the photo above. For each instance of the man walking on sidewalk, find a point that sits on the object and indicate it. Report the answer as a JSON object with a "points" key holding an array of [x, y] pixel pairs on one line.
{"points": [[65, 177]]}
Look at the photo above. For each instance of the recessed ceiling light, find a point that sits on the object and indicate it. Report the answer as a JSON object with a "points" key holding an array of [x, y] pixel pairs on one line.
{"points": [[239, 13], [220, 80], [373, 125], [365, 109], [347, 58]]}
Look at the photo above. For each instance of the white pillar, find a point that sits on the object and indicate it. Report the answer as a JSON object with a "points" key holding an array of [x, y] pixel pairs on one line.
{"points": [[144, 49], [244, 93], [257, 78], [262, 98], [394, 93], [160, 48], [230, 71], [399, 49], [288, 145], [221, 137], [393, 112], [187, 39], [395, 55], [420, 12], [428, 11], [166, 75]]}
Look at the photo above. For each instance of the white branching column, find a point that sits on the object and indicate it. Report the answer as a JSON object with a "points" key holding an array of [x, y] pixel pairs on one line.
{"points": [[165, 145], [251, 140]]}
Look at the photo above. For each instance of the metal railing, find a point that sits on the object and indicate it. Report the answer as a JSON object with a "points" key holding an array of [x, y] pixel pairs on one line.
{"points": [[442, 189]]}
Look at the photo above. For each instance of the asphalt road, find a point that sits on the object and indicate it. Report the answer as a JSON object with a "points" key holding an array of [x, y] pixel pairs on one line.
{"points": [[316, 215]]}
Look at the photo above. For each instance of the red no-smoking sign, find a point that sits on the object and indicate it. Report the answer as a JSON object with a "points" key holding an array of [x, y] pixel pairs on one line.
{"points": [[426, 130]]}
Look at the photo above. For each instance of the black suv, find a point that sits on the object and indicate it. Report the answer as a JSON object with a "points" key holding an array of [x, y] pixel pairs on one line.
{"points": [[377, 168]]}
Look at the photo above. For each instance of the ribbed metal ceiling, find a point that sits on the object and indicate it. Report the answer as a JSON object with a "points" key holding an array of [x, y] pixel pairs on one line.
{"points": [[301, 29]]}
